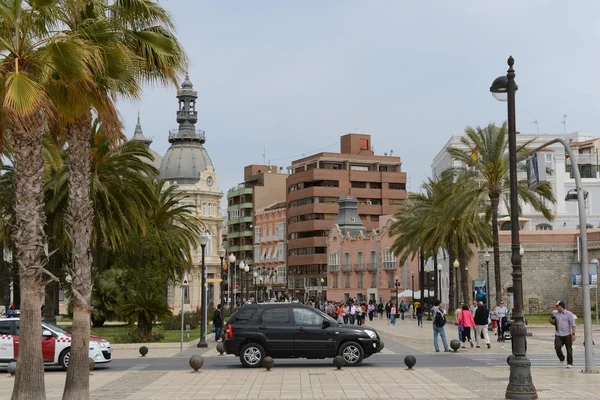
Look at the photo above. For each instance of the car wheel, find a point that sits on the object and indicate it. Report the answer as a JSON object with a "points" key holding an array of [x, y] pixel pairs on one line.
{"points": [[252, 355], [64, 358], [352, 352]]}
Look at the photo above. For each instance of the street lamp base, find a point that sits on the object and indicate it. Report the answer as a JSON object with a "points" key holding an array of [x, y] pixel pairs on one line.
{"points": [[202, 345], [520, 383]]}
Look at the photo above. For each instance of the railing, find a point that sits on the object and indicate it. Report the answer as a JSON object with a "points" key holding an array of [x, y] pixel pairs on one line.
{"points": [[347, 268], [359, 267], [175, 134], [187, 114], [389, 265], [333, 268], [372, 267]]}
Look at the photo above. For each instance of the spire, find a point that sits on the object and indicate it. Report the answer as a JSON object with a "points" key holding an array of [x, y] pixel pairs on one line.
{"points": [[138, 135], [187, 116], [348, 219]]}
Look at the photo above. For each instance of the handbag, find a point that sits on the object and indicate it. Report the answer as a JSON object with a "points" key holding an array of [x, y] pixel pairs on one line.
{"points": [[461, 327], [212, 329]]}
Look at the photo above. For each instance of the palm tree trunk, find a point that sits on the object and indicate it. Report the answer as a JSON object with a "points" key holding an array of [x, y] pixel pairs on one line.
{"points": [[31, 245], [422, 275], [497, 278], [451, 306], [464, 276], [79, 221], [436, 276]]}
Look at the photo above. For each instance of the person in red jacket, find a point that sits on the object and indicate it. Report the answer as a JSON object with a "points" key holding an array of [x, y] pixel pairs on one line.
{"points": [[465, 319]]}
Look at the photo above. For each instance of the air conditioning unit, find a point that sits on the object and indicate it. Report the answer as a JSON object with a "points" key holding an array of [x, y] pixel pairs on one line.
{"points": [[369, 202]]}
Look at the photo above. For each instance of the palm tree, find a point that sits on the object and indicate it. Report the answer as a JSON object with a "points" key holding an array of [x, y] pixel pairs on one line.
{"points": [[441, 217], [33, 54], [485, 153], [146, 308]]}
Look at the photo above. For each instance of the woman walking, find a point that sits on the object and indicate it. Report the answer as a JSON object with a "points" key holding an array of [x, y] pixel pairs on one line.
{"points": [[494, 318], [419, 312], [393, 314], [411, 311], [466, 321]]}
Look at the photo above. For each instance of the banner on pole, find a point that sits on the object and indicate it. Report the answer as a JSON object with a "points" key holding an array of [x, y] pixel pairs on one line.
{"points": [[576, 279]]}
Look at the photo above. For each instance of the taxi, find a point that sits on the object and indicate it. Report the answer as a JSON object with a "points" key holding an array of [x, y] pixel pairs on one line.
{"points": [[56, 344]]}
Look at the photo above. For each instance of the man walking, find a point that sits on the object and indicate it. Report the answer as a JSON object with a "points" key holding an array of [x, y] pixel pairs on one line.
{"points": [[218, 323], [564, 322], [439, 320], [481, 324]]}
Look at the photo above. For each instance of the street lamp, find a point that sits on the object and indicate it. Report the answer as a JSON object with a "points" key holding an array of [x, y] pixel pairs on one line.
{"points": [[488, 295], [322, 282], [412, 275], [520, 384], [439, 294], [242, 269], [246, 283], [232, 285], [203, 240], [255, 275], [397, 284], [221, 252], [456, 264]]}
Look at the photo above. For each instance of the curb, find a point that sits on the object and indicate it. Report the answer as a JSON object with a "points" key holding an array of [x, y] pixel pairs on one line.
{"points": [[158, 345]]}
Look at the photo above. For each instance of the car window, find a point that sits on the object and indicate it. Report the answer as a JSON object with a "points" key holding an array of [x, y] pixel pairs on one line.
{"points": [[302, 316], [5, 328], [244, 315], [275, 316]]}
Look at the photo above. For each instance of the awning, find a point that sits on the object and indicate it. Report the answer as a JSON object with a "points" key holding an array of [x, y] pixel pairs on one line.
{"points": [[406, 293]]}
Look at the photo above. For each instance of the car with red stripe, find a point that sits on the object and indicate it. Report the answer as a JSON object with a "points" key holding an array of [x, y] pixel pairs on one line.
{"points": [[56, 344]]}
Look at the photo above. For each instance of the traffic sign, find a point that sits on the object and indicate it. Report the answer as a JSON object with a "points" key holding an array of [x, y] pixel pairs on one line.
{"points": [[185, 281]]}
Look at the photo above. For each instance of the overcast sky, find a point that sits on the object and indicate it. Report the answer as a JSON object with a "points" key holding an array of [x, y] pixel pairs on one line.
{"points": [[295, 75]]}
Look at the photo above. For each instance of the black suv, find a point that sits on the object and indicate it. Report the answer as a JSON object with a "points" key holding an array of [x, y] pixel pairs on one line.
{"points": [[290, 330]]}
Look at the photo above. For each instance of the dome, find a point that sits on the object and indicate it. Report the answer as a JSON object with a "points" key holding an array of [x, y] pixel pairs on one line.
{"points": [[184, 162]]}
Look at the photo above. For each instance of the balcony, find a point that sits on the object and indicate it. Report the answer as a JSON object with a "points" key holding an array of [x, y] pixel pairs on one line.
{"points": [[359, 267], [583, 159], [244, 247], [372, 267], [333, 268], [346, 268], [389, 266], [233, 235]]}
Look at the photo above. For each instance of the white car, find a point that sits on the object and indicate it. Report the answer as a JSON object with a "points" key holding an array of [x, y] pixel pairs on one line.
{"points": [[56, 344]]}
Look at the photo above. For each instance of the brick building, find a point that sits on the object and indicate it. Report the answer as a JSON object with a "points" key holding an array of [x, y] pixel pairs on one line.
{"points": [[314, 187], [360, 263]]}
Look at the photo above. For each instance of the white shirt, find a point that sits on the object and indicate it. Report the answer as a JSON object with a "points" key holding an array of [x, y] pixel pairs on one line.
{"points": [[501, 311]]}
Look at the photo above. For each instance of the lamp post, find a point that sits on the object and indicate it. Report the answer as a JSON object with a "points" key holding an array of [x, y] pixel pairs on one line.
{"points": [[595, 261], [488, 294], [203, 240], [397, 284], [221, 252], [242, 269], [520, 384], [439, 296], [428, 280], [246, 283], [255, 275], [456, 264], [412, 275], [232, 284], [322, 282]]}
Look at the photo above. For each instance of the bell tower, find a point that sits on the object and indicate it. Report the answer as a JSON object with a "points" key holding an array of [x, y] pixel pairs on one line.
{"points": [[187, 116]]}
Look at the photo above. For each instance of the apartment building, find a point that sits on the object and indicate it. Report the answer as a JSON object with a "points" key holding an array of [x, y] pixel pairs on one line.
{"points": [[314, 187], [263, 186], [269, 272]]}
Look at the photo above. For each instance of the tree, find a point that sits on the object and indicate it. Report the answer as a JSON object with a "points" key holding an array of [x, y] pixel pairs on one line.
{"points": [[485, 153], [33, 54], [146, 308]]}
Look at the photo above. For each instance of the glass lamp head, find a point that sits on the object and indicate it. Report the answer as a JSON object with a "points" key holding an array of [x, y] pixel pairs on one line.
{"points": [[231, 258]]}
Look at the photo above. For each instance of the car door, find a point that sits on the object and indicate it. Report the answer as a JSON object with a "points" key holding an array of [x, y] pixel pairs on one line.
{"points": [[312, 338], [48, 344], [275, 323], [7, 349]]}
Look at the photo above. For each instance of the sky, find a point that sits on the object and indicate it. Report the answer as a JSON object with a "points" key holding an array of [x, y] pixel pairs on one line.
{"points": [[291, 77]]}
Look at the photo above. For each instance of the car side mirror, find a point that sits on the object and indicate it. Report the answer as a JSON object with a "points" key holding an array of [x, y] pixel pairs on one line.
{"points": [[46, 332], [325, 324]]}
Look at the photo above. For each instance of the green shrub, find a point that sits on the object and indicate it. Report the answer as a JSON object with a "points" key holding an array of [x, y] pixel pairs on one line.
{"points": [[191, 318], [134, 336]]}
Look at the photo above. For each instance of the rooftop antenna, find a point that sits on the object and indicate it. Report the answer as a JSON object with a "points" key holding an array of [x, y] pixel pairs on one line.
{"points": [[265, 155], [564, 122], [391, 153], [537, 126]]}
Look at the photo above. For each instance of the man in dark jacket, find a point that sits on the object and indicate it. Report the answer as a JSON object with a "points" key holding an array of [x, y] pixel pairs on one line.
{"points": [[218, 323], [481, 318]]}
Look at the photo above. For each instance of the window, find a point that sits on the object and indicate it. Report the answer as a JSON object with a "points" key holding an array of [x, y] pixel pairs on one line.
{"points": [[257, 252], [361, 258], [334, 259], [373, 257], [388, 259], [397, 186], [281, 230], [543, 227], [204, 209], [360, 280], [303, 316], [549, 161], [186, 295], [210, 208], [359, 168], [375, 185], [347, 259], [364, 144], [244, 315], [347, 281], [5, 328], [359, 185], [276, 315], [391, 281], [281, 251], [257, 234], [335, 281], [373, 281], [209, 243]]}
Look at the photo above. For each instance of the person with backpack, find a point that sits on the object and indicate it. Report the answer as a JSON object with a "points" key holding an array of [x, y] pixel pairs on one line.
{"points": [[402, 309], [439, 320]]}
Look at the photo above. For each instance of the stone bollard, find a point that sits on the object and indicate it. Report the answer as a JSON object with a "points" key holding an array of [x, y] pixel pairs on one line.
{"points": [[143, 350], [455, 344], [339, 362], [220, 348], [410, 361], [268, 363], [92, 364], [196, 362], [12, 368]]}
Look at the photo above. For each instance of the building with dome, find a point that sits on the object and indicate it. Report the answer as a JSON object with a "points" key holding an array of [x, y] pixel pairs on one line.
{"points": [[188, 165]]}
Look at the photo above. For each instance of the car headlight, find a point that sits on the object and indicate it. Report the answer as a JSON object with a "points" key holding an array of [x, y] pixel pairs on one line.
{"points": [[371, 333]]}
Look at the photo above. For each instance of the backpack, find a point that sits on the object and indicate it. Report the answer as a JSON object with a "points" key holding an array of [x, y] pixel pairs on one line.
{"points": [[440, 319]]}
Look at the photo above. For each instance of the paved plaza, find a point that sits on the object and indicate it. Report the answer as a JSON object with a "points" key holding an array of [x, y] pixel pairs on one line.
{"points": [[467, 374]]}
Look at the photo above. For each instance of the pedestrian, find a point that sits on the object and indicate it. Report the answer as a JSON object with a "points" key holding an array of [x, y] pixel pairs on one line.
{"points": [[564, 324], [402, 309], [473, 308], [456, 312], [481, 318], [346, 314], [380, 309], [393, 314], [11, 310], [494, 319], [501, 312], [371, 310], [419, 312], [218, 323], [465, 320], [411, 311], [439, 320], [352, 313], [388, 310]]}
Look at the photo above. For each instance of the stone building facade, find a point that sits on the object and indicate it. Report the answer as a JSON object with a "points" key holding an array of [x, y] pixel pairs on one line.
{"points": [[547, 263], [360, 262]]}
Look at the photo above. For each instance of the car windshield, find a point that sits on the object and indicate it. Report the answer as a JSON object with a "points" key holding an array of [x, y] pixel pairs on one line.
{"points": [[327, 317], [55, 328]]}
